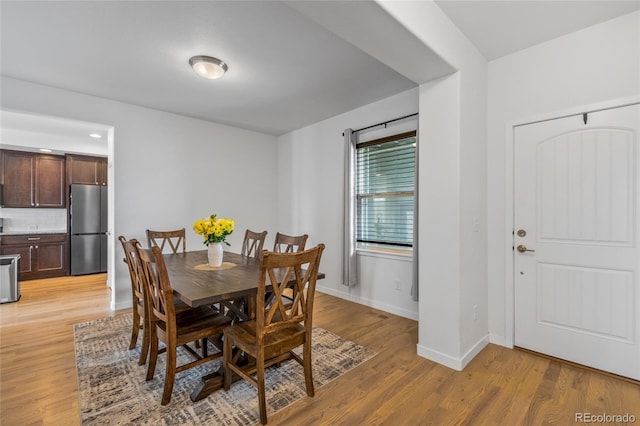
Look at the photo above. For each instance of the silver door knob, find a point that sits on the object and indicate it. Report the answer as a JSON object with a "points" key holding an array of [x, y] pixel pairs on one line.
{"points": [[522, 248]]}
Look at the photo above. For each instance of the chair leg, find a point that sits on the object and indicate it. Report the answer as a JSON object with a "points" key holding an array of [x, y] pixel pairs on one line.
{"points": [[226, 360], [308, 370], [170, 374], [261, 389], [144, 351], [153, 353], [134, 329]]}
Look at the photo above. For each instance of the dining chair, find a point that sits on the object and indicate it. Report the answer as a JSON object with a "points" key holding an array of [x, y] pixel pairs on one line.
{"points": [[253, 243], [271, 337], [139, 302], [174, 239], [173, 328], [289, 243], [140, 312]]}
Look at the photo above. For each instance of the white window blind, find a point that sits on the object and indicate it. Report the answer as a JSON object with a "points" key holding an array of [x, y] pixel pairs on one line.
{"points": [[384, 186]]}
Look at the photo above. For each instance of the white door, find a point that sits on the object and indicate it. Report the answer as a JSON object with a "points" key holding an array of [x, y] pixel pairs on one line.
{"points": [[576, 213]]}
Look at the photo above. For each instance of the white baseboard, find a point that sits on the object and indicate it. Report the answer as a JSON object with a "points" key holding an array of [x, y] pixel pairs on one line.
{"points": [[475, 350], [368, 302], [452, 362], [439, 357], [122, 305], [500, 340]]}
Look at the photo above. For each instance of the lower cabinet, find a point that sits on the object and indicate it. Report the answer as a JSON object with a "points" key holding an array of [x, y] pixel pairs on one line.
{"points": [[41, 255]]}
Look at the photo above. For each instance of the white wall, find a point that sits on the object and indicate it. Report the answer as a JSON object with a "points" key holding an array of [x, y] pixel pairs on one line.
{"points": [[310, 199], [453, 191], [167, 170], [594, 65]]}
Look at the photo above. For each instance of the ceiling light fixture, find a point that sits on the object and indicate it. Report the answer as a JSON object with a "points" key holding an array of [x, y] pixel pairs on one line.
{"points": [[95, 135], [208, 67]]}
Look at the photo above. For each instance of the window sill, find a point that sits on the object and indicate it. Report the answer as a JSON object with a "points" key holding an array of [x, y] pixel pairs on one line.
{"points": [[387, 253]]}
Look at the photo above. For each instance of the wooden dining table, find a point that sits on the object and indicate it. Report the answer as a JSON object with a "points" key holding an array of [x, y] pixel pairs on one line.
{"points": [[232, 286]]}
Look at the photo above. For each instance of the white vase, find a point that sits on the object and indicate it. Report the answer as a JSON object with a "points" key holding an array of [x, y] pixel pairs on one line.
{"points": [[215, 254]]}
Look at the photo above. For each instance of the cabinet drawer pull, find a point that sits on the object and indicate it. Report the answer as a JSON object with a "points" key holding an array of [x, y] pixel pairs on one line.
{"points": [[33, 239]]}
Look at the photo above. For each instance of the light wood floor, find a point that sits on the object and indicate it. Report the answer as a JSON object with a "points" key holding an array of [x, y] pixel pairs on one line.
{"points": [[38, 383]]}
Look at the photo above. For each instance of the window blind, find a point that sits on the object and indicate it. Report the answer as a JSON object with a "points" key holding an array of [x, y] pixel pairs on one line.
{"points": [[385, 182]]}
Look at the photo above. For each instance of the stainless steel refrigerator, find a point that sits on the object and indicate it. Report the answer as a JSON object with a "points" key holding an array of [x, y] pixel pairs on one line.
{"points": [[88, 218]]}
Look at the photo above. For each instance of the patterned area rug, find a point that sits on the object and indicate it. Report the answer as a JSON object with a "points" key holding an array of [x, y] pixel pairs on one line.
{"points": [[113, 390]]}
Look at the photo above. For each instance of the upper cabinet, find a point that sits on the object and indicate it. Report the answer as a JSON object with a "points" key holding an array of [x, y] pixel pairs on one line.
{"points": [[32, 180], [86, 170]]}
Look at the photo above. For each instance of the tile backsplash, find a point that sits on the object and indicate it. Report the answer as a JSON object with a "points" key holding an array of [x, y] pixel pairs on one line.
{"points": [[14, 220]]}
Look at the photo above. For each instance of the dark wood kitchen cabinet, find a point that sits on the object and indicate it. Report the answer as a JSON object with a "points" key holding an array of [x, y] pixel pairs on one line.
{"points": [[86, 170], [32, 180], [41, 255]]}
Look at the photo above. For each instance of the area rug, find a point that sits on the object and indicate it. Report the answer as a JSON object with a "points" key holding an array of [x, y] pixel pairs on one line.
{"points": [[113, 390]]}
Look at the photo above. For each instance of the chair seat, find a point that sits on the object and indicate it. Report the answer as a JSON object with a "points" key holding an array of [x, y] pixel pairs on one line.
{"points": [[197, 323], [243, 335]]}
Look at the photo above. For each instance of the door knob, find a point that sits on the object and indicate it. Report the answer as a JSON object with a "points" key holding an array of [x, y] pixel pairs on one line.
{"points": [[522, 248]]}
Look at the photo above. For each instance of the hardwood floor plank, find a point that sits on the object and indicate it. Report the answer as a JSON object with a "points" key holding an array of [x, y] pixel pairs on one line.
{"points": [[38, 383]]}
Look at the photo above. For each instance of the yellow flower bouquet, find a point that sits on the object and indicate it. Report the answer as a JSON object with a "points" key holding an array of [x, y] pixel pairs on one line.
{"points": [[214, 230]]}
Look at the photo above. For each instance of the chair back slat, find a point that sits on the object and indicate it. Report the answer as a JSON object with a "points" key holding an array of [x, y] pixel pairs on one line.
{"points": [[289, 243], [173, 239], [253, 243], [281, 271]]}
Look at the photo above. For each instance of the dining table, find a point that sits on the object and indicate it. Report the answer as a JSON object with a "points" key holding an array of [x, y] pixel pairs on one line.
{"points": [[232, 286]]}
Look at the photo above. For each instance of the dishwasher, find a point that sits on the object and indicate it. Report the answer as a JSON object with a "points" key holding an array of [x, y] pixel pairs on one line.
{"points": [[9, 283]]}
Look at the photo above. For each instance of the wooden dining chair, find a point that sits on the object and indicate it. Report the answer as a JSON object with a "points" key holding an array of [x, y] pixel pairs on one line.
{"points": [[173, 328], [253, 243], [139, 302], [140, 312], [271, 337], [174, 239], [288, 243]]}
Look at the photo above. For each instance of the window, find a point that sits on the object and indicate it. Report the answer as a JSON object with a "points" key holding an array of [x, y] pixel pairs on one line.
{"points": [[384, 186]]}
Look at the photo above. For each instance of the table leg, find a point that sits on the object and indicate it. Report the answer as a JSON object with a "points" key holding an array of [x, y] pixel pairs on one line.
{"points": [[239, 310], [214, 381]]}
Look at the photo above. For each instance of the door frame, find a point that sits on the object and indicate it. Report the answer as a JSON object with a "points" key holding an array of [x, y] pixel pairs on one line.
{"points": [[509, 196]]}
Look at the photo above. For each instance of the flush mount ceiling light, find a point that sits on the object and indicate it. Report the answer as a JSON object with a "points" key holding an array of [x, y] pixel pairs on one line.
{"points": [[208, 67]]}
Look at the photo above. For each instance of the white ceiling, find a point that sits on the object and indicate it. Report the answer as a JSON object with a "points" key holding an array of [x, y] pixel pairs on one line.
{"points": [[498, 28], [287, 66], [285, 71]]}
